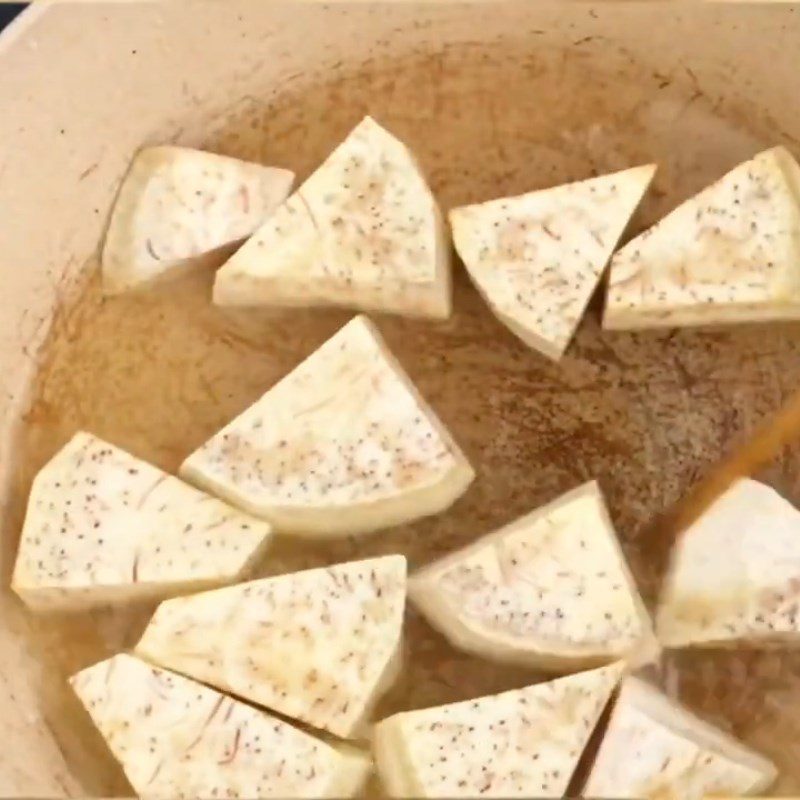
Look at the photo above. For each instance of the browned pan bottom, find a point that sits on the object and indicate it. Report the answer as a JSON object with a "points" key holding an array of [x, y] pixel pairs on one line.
{"points": [[646, 414]]}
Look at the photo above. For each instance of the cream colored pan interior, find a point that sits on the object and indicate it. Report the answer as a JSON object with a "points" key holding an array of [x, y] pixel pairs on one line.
{"points": [[496, 99]]}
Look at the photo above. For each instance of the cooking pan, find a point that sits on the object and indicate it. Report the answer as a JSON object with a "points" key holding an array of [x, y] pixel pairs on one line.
{"points": [[495, 98]]}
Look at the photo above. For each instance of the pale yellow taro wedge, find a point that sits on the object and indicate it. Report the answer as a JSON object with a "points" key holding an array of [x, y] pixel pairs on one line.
{"points": [[320, 646], [537, 258], [343, 444], [180, 208], [105, 527], [551, 591], [523, 743], [364, 231], [654, 749], [179, 740], [729, 254], [735, 574]]}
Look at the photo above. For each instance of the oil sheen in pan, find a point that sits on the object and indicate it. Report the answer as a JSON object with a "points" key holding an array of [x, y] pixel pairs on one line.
{"points": [[646, 414]]}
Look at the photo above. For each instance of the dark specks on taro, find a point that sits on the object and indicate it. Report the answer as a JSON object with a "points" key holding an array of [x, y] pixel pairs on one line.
{"points": [[171, 738], [325, 679], [128, 500], [533, 588], [539, 741], [704, 263], [368, 209], [356, 439]]}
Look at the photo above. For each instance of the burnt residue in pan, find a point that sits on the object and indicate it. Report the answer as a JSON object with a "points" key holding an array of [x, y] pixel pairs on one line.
{"points": [[646, 414]]}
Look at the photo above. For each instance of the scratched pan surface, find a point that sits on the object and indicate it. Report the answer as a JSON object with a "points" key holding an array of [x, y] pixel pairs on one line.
{"points": [[495, 99]]}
